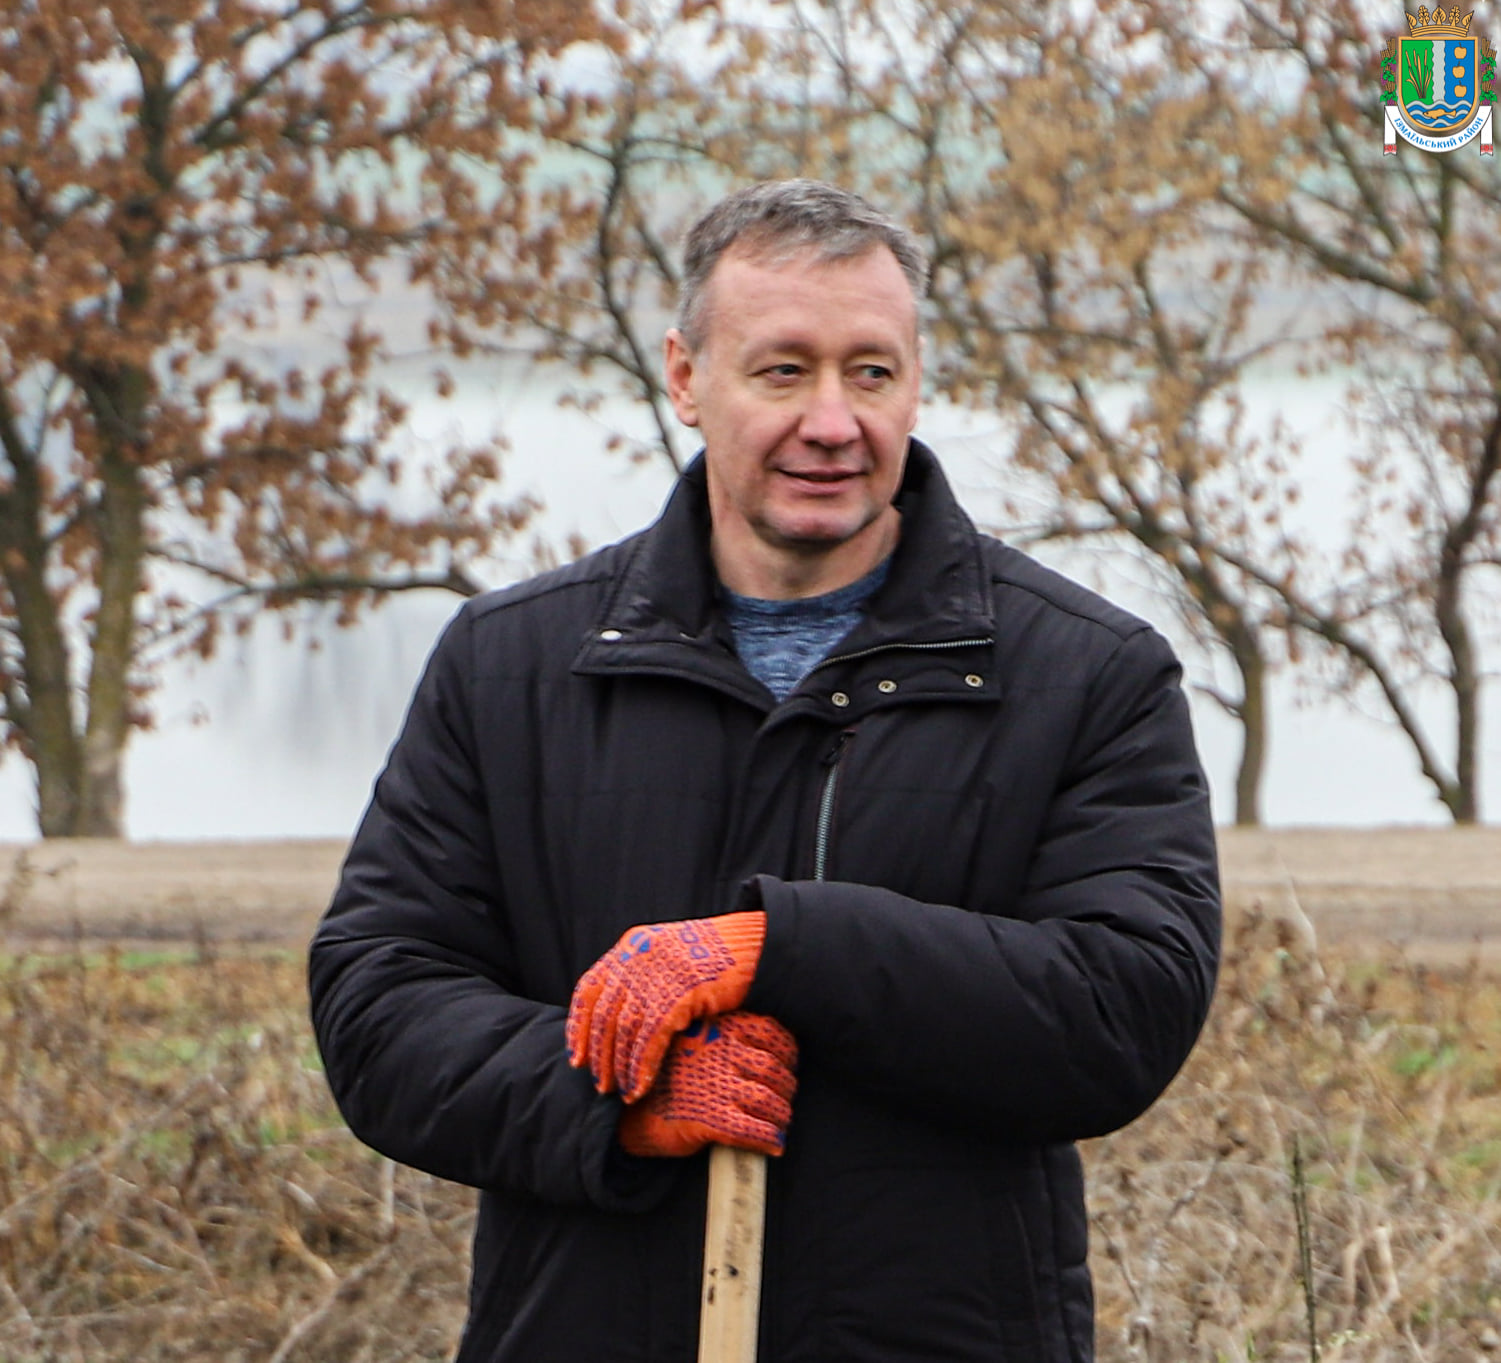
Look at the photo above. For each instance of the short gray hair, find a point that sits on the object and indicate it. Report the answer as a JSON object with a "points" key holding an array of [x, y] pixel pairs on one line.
{"points": [[777, 219]]}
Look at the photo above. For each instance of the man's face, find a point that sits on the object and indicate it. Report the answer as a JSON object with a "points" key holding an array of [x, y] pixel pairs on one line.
{"points": [[805, 390]]}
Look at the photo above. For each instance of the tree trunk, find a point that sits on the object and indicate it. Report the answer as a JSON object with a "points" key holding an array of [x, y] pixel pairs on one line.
{"points": [[120, 525], [79, 783], [41, 706], [1463, 796], [48, 734], [102, 814], [101, 811], [1237, 630], [1253, 726]]}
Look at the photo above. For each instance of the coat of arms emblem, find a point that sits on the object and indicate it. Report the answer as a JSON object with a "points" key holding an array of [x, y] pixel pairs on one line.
{"points": [[1439, 84]]}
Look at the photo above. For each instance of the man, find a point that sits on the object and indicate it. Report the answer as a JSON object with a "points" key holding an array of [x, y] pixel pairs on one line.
{"points": [[808, 820]]}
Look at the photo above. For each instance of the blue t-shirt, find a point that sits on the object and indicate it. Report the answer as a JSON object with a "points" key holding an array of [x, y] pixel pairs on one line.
{"points": [[780, 642]]}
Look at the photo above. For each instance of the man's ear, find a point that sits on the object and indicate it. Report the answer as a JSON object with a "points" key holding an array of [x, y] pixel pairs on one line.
{"points": [[677, 370]]}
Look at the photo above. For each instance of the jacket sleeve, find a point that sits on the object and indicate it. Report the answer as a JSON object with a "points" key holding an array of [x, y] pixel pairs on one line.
{"points": [[1058, 1016], [432, 1056]]}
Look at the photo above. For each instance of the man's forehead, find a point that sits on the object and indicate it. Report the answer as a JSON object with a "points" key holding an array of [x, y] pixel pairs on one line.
{"points": [[740, 265]]}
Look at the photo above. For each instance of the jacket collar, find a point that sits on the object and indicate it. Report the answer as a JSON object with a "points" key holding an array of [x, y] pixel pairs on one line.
{"points": [[665, 601]]}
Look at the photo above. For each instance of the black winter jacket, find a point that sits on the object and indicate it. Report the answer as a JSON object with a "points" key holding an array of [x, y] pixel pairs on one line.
{"points": [[982, 840]]}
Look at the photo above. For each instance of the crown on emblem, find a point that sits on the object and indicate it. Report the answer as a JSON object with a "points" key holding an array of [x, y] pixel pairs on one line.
{"points": [[1438, 24]]}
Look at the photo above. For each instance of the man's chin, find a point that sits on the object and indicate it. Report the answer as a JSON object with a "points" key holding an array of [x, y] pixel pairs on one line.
{"points": [[813, 538]]}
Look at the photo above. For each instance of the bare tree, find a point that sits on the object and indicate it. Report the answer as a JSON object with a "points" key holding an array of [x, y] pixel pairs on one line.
{"points": [[177, 183], [1402, 250]]}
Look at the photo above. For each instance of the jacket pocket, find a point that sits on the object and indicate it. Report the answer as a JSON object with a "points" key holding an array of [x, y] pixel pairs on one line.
{"points": [[919, 1264]]}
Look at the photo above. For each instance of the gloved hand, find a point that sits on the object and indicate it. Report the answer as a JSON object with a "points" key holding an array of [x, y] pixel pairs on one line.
{"points": [[650, 985], [726, 1080]]}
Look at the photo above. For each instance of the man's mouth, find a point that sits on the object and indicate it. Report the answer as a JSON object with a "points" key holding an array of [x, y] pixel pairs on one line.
{"points": [[828, 476]]}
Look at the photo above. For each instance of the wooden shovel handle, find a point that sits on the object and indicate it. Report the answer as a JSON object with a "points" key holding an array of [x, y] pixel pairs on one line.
{"points": [[733, 1232]]}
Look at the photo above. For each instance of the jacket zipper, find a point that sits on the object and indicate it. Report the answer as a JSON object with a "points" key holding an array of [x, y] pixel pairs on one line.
{"points": [[826, 804], [882, 648]]}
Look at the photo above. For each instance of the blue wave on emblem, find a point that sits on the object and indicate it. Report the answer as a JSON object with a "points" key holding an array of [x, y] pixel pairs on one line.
{"points": [[1438, 115]]}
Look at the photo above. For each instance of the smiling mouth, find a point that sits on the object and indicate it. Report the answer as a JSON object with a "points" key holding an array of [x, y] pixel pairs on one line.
{"points": [[828, 477]]}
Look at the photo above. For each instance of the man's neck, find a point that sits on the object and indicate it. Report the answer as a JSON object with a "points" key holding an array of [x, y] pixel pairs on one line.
{"points": [[767, 572]]}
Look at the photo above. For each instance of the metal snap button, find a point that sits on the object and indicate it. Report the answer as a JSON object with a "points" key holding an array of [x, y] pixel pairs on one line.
{"points": [[974, 679], [840, 699], [886, 687]]}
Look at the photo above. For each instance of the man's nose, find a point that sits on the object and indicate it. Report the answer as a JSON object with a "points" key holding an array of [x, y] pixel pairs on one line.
{"points": [[828, 418]]}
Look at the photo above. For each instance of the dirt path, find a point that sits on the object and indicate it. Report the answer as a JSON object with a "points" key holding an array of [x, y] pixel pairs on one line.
{"points": [[1436, 892], [268, 892]]}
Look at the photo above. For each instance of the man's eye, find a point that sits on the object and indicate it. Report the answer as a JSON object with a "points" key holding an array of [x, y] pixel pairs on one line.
{"points": [[783, 371], [873, 373]]}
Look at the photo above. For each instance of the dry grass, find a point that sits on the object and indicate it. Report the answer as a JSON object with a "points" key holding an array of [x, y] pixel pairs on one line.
{"points": [[1368, 1087], [175, 1184]]}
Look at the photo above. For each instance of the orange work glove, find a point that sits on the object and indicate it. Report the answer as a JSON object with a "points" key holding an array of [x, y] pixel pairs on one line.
{"points": [[650, 985], [726, 1080]]}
